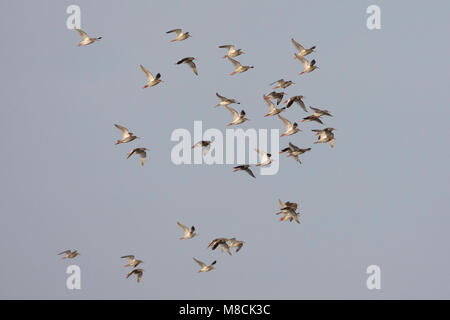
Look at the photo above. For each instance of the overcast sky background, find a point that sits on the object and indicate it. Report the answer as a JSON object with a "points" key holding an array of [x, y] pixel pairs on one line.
{"points": [[380, 196]]}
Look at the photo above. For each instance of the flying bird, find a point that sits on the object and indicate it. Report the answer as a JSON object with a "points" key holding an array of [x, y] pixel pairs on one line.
{"points": [[205, 144], [244, 167], [189, 61], [69, 254], [222, 242], [236, 243], [265, 158], [138, 273], [312, 117], [318, 112], [286, 206], [179, 35], [232, 52], [289, 211], [297, 99], [132, 261], [188, 233], [290, 128], [282, 84], [127, 136], [225, 101], [275, 95], [151, 81], [238, 67], [291, 215], [324, 136], [308, 66], [85, 40], [237, 118], [301, 50], [294, 151], [272, 109], [204, 267], [141, 152]]}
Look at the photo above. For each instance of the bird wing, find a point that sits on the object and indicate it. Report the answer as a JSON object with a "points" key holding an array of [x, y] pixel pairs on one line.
{"points": [[221, 97], [234, 62], [200, 263], [128, 257], [185, 229], [143, 154], [125, 131], [304, 61], [286, 122], [302, 104], [293, 147], [297, 45], [250, 172], [177, 31], [270, 104], [233, 112], [206, 149], [228, 46], [193, 67], [83, 34], [282, 204], [66, 252], [131, 153], [148, 74], [264, 156], [278, 81]]}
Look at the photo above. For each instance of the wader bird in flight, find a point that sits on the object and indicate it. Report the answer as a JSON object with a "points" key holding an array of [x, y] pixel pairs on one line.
{"points": [[132, 261], [246, 168], [294, 151], [205, 144], [85, 40], [324, 136], [138, 272], [204, 267], [238, 67], [282, 84], [69, 254], [222, 242], [232, 52], [237, 118], [275, 95], [151, 81], [190, 62], [316, 115], [297, 99], [272, 109], [179, 35], [288, 209], [236, 243], [225, 101], [308, 66], [290, 128], [318, 112], [140, 151], [312, 118], [301, 50], [127, 136], [265, 158], [188, 233]]}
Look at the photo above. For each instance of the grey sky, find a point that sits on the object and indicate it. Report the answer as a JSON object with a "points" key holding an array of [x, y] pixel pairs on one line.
{"points": [[64, 183]]}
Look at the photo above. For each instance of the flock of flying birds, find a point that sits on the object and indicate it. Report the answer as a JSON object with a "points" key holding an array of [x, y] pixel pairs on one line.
{"points": [[287, 209]]}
